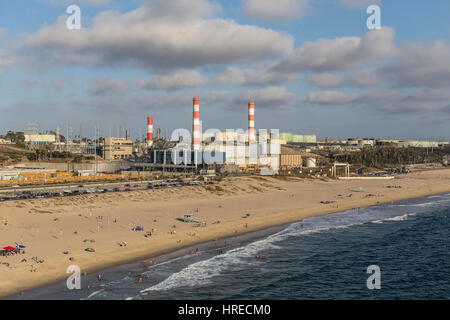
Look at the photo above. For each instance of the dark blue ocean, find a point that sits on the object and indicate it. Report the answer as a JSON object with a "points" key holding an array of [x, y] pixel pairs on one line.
{"points": [[318, 258]]}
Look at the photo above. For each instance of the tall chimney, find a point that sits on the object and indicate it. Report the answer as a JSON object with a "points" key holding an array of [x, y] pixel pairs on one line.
{"points": [[251, 123], [196, 126], [150, 132]]}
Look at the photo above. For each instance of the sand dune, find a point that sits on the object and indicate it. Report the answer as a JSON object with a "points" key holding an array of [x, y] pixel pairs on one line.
{"points": [[57, 231]]}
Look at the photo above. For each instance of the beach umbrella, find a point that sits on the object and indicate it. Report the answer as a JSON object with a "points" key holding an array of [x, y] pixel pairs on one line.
{"points": [[89, 250], [9, 248], [248, 215], [21, 246]]}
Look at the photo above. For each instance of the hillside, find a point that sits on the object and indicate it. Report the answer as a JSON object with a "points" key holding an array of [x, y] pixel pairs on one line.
{"points": [[10, 154]]}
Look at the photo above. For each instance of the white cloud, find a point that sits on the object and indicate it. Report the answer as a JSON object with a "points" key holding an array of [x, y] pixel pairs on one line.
{"points": [[8, 59], [275, 11], [364, 78], [329, 98], [136, 104], [58, 84], [342, 53], [385, 100], [358, 4], [256, 76], [270, 97], [32, 81], [326, 80], [183, 10], [175, 80], [103, 86], [90, 3], [420, 64], [159, 35]]}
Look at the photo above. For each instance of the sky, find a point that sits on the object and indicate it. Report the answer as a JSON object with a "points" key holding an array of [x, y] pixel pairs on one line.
{"points": [[310, 66]]}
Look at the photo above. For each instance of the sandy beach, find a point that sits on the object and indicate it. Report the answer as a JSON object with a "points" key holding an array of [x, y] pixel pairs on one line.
{"points": [[57, 231]]}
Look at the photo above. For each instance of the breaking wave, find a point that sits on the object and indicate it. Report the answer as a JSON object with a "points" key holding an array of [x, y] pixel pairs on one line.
{"points": [[202, 272]]}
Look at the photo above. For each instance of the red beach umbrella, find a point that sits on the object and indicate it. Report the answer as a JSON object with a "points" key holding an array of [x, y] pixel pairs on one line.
{"points": [[9, 248]]}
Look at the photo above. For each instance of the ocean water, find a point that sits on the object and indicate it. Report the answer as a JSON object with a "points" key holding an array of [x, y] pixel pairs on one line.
{"points": [[318, 258]]}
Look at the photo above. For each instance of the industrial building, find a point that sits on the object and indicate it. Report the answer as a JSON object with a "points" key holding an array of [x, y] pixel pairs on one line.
{"points": [[410, 143], [117, 148], [39, 139], [247, 150], [290, 158], [288, 137], [5, 141]]}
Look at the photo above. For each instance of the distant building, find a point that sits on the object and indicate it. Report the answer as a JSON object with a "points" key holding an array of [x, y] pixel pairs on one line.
{"points": [[39, 139], [409, 143], [290, 158], [297, 138], [446, 160], [117, 148], [5, 141]]}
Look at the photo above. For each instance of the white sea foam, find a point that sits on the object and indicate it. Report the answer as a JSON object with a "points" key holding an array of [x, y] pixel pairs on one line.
{"points": [[93, 294], [397, 218], [202, 272]]}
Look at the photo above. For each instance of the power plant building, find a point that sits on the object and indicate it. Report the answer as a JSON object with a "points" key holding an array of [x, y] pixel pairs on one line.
{"points": [[40, 139], [240, 148], [117, 148], [288, 137]]}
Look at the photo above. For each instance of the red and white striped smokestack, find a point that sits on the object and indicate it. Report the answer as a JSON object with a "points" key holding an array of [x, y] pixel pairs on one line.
{"points": [[251, 123], [196, 126], [150, 131]]}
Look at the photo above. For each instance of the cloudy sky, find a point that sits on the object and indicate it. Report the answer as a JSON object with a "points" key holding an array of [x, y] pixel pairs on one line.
{"points": [[311, 66]]}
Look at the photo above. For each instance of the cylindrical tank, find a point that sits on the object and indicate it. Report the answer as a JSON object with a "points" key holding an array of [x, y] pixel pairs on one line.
{"points": [[310, 138], [287, 136], [311, 162], [242, 138], [298, 138]]}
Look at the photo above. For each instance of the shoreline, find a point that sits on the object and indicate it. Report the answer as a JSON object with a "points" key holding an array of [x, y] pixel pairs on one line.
{"points": [[277, 218], [166, 257]]}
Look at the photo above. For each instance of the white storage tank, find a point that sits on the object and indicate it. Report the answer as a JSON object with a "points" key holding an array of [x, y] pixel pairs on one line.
{"points": [[311, 162]]}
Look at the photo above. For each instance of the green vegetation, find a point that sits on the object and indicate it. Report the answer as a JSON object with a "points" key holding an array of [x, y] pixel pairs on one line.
{"points": [[11, 154], [18, 138], [382, 156], [47, 153]]}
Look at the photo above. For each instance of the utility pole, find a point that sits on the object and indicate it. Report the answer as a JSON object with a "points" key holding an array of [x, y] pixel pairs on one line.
{"points": [[67, 136], [95, 154]]}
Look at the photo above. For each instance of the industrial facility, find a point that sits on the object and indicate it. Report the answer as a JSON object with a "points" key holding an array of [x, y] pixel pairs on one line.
{"points": [[214, 149]]}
